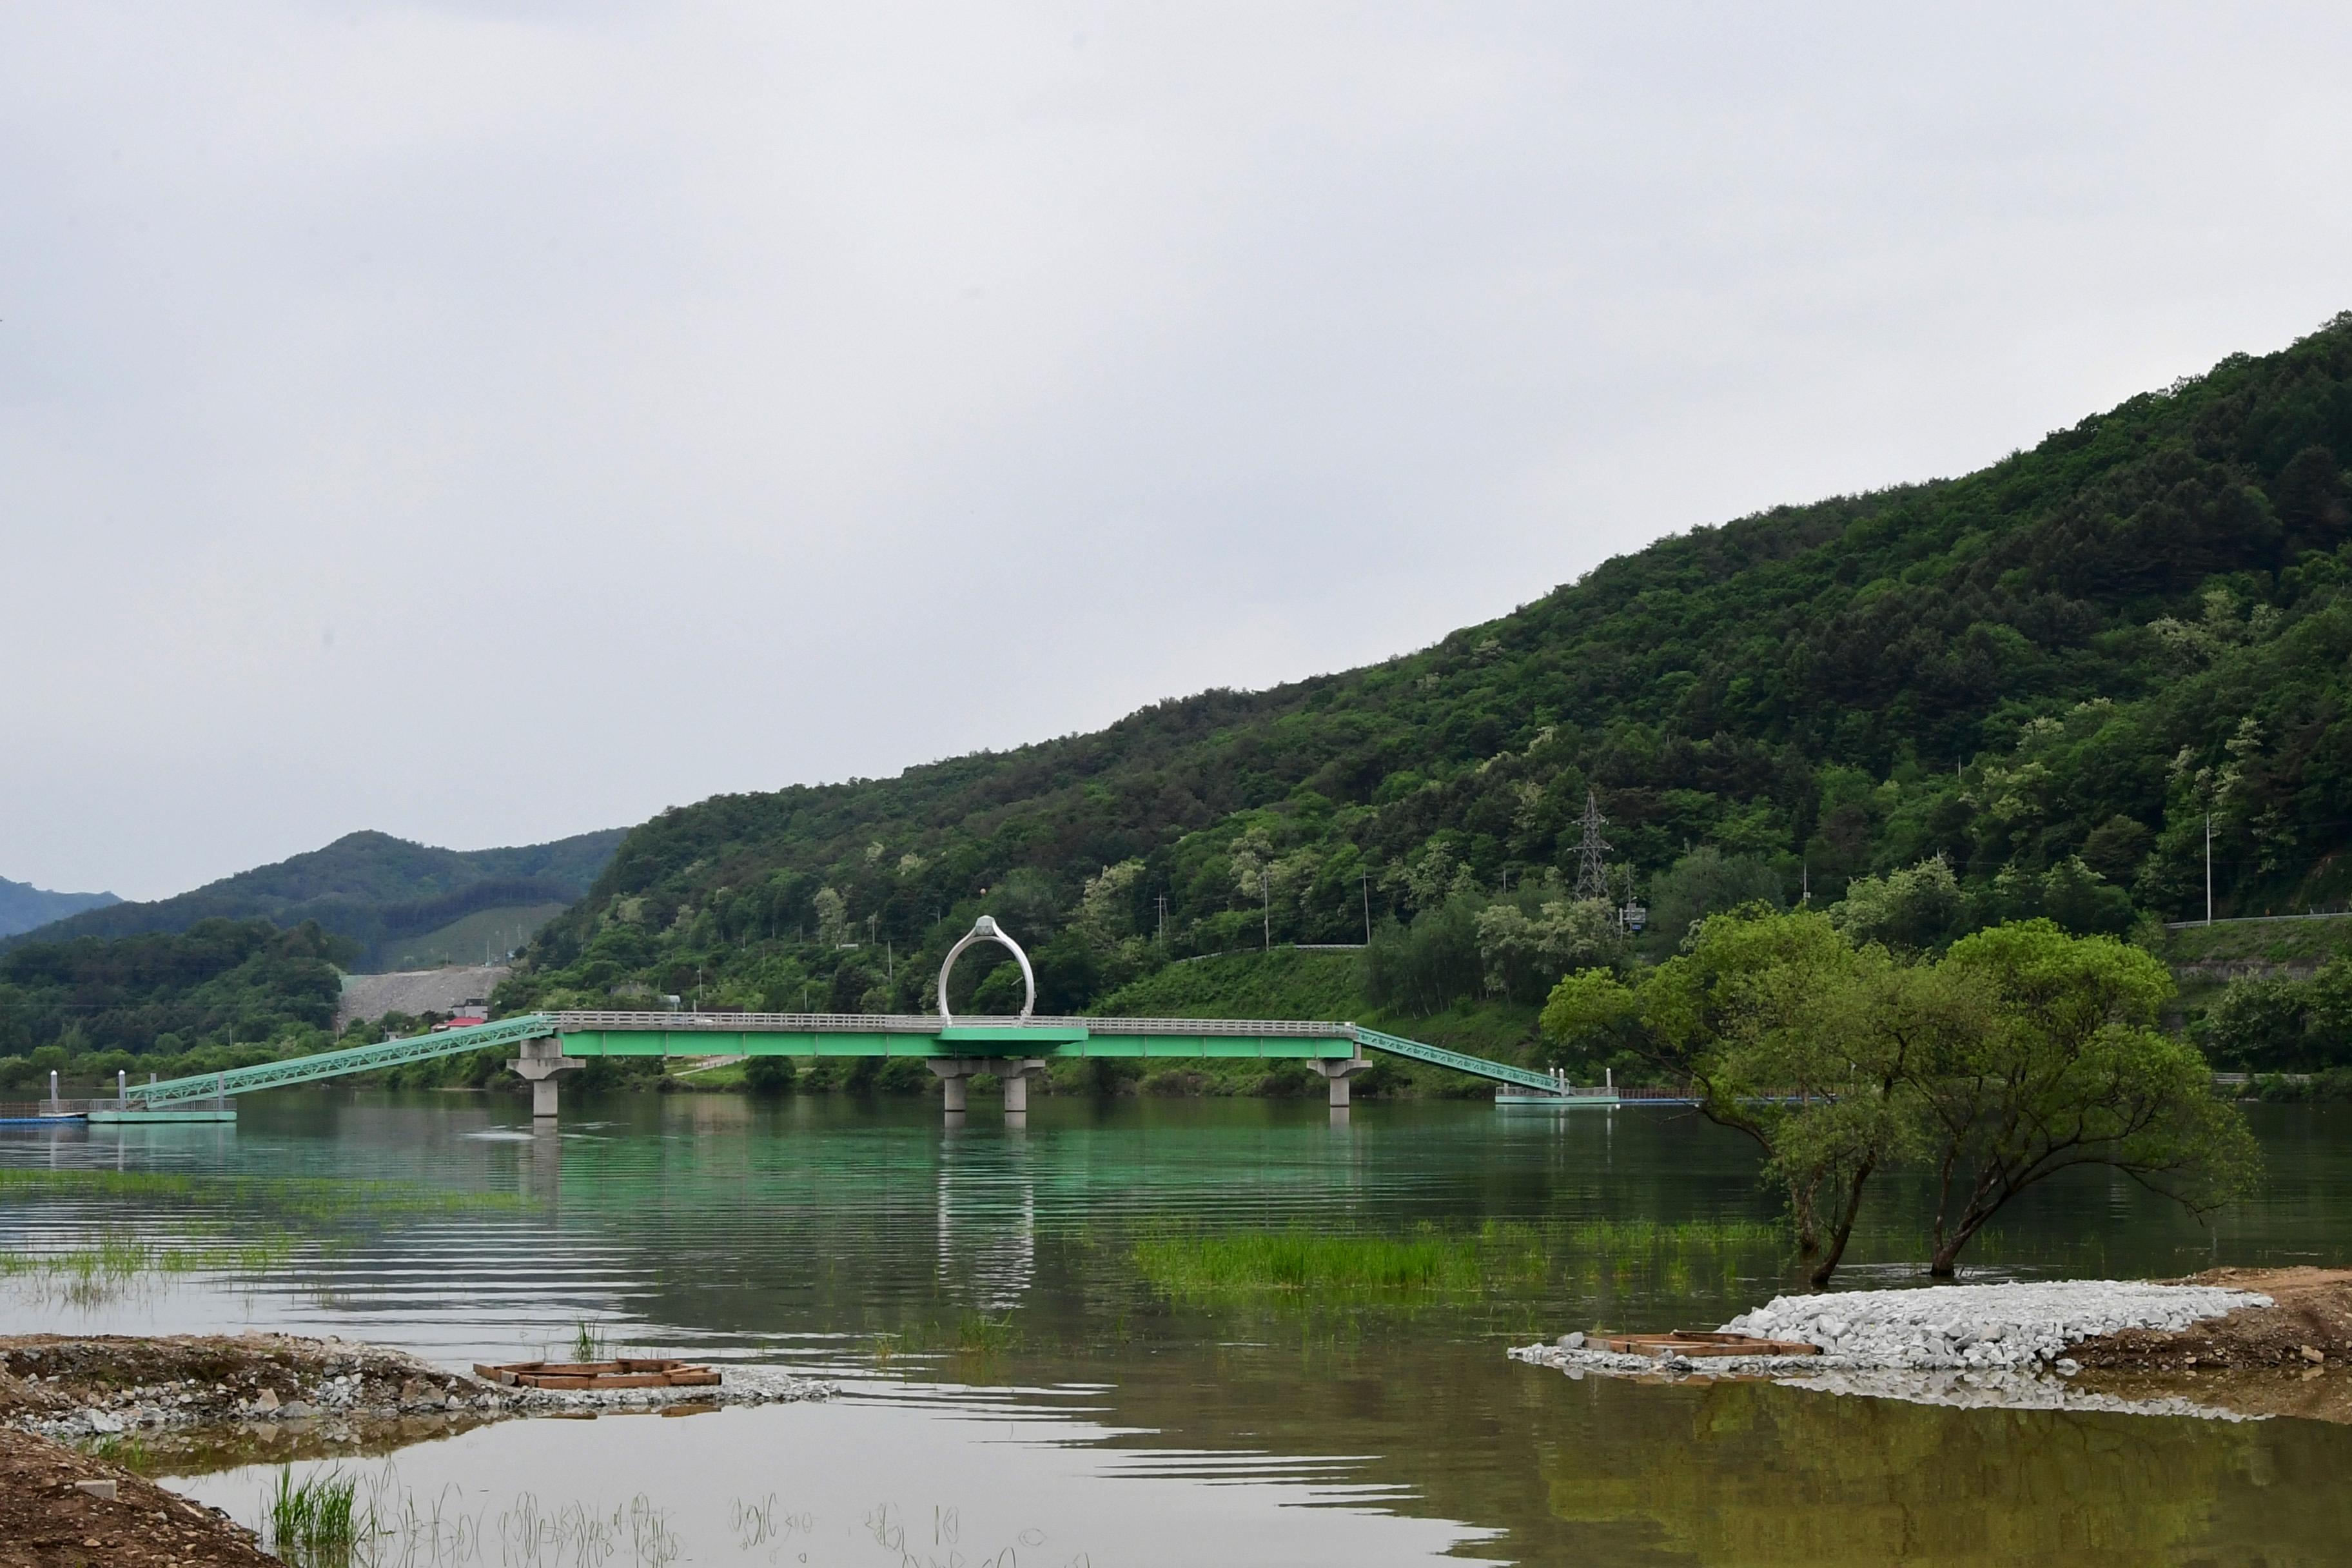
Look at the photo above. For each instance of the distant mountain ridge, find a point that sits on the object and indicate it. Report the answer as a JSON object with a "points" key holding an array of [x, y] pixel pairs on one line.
{"points": [[367, 886], [24, 907]]}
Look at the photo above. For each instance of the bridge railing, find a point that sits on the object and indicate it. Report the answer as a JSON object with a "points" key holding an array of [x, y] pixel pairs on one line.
{"points": [[336, 1063], [590, 1021], [1501, 1072]]}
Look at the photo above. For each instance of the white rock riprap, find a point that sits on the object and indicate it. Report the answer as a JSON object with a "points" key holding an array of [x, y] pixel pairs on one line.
{"points": [[1993, 1332], [1957, 1327]]}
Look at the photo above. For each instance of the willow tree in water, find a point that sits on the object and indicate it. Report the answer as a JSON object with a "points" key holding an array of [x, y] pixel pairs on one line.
{"points": [[2023, 1053], [2069, 1070], [1784, 1032]]}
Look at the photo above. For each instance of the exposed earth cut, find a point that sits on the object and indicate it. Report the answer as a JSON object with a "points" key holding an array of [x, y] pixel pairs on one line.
{"points": [[2307, 1324]]}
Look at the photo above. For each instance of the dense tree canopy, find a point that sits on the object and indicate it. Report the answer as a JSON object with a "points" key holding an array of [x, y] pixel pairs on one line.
{"points": [[369, 887], [2050, 673], [219, 985], [2021, 1053]]}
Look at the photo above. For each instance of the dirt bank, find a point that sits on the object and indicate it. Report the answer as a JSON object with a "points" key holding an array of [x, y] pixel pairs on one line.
{"points": [[60, 1508], [2307, 1330], [169, 1398]]}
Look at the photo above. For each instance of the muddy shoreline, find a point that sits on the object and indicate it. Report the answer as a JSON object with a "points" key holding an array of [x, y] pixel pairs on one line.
{"points": [[72, 1405]]}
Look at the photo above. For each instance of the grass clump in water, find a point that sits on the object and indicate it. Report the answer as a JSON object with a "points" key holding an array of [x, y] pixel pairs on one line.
{"points": [[1312, 1263], [121, 1263], [978, 1334], [313, 1519], [1432, 1263]]}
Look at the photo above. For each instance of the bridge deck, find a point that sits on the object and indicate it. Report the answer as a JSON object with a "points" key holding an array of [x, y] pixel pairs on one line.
{"points": [[620, 1034], [918, 1034]]}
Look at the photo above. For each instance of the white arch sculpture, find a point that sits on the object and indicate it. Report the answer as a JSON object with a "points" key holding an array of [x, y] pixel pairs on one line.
{"points": [[986, 928]]}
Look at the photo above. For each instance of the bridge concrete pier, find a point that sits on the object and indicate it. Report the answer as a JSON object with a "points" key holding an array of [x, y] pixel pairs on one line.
{"points": [[952, 1072], [955, 1075], [1338, 1073], [1014, 1072], [540, 1060]]}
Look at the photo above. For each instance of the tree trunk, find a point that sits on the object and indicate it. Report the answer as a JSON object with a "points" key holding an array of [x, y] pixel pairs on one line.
{"points": [[1945, 1261], [1801, 1210], [1838, 1233]]}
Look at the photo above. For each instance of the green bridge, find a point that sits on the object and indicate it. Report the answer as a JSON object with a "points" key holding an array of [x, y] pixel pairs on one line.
{"points": [[550, 1044]]}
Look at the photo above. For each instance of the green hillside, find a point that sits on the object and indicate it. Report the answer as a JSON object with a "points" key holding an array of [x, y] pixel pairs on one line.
{"points": [[486, 936], [2048, 672], [220, 994], [378, 890], [23, 906]]}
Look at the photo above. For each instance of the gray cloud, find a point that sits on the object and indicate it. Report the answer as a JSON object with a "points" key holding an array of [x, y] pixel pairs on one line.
{"points": [[486, 423]]}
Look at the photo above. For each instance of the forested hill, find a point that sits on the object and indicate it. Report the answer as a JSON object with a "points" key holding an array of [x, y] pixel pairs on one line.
{"points": [[369, 887], [2048, 671], [24, 906]]}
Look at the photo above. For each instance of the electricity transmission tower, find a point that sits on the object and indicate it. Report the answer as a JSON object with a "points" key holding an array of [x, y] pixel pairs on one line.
{"points": [[1592, 863]]}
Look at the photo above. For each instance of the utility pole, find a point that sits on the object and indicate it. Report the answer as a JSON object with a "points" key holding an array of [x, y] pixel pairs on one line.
{"points": [[1163, 901], [1364, 880], [2209, 868], [1265, 890], [1592, 866]]}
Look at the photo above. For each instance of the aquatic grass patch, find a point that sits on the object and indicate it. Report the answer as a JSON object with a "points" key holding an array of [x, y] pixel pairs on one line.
{"points": [[313, 1521], [1303, 1262], [1618, 1236], [311, 1197], [978, 1334], [128, 1450], [119, 1263], [120, 1255], [1431, 1262]]}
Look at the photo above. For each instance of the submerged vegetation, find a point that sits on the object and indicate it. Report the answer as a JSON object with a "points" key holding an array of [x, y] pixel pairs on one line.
{"points": [[1435, 1263], [313, 1197], [217, 1224], [115, 1258]]}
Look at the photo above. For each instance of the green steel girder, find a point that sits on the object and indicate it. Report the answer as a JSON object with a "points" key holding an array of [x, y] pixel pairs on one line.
{"points": [[1501, 1072], [337, 1063], [1060, 1038]]}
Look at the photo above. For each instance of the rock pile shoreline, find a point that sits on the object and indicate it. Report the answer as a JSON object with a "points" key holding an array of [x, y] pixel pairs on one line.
{"points": [[104, 1386], [1969, 1345]]}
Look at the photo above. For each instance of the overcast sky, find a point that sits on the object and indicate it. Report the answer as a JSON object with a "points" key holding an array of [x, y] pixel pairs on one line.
{"points": [[488, 422]]}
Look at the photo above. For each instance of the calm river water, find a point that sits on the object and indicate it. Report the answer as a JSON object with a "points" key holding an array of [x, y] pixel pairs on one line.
{"points": [[1017, 1392]]}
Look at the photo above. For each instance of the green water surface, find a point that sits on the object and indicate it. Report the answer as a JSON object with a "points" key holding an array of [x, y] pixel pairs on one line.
{"points": [[1017, 1391]]}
